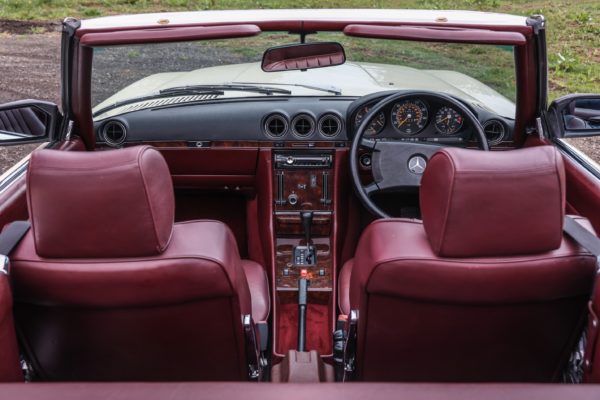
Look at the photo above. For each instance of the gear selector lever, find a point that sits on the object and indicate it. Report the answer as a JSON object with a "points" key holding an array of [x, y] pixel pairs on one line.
{"points": [[307, 217], [305, 255], [302, 303]]}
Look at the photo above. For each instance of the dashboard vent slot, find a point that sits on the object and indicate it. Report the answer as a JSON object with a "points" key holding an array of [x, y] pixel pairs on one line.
{"points": [[494, 131], [165, 102], [303, 125], [276, 125], [330, 125], [114, 133]]}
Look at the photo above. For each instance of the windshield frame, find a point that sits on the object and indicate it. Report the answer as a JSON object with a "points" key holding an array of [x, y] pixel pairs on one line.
{"points": [[526, 58]]}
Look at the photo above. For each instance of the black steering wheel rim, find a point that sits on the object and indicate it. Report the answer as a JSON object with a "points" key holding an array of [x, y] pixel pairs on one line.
{"points": [[357, 142]]}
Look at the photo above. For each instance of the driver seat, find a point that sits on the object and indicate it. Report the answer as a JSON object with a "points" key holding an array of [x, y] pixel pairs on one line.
{"points": [[485, 289]]}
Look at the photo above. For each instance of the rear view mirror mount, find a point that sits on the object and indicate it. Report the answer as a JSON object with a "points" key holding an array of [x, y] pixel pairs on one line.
{"points": [[303, 56]]}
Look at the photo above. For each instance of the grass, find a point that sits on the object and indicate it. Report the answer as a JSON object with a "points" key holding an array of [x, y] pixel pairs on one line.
{"points": [[573, 25]]}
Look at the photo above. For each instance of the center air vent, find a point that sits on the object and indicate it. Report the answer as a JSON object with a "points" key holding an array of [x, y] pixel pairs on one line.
{"points": [[114, 133], [303, 125], [330, 125], [276, 125], [494, 131]]}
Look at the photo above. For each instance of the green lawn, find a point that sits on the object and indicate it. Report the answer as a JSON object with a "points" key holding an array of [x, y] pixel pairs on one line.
{"points": [[573, 25]]}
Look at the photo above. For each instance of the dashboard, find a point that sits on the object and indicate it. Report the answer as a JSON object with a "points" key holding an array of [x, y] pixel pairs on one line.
{"points": [[281, 120]]}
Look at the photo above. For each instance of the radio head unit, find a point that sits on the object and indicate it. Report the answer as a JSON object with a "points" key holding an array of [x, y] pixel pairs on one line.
{"points": [[303, 160]]}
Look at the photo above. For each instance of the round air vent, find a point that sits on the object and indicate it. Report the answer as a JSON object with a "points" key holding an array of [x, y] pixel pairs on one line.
{"points": [[494, 131], [114, 133], [276, 125], [303, 125], [330, 125]]}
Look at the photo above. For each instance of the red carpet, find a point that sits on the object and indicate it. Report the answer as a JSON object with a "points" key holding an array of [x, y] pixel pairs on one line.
{"points": [[318, 328]]}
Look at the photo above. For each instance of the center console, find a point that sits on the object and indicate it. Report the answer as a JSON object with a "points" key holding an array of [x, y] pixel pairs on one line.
{"points": [[303, 226]]}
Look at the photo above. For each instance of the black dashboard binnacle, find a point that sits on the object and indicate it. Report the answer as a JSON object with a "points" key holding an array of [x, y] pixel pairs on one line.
{"points": [[424, 118]]}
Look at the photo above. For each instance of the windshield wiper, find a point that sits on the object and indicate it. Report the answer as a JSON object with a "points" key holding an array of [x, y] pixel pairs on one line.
{"points": [[160, 95], [331, 89], [241, 88]]}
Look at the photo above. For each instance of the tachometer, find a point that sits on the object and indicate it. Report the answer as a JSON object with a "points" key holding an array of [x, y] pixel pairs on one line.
{"points": [[448, 121], [376, 124], [410, 116]]}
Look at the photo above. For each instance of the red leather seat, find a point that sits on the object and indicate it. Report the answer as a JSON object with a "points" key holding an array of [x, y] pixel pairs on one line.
{"points": [[106, 286], [485, 288]]}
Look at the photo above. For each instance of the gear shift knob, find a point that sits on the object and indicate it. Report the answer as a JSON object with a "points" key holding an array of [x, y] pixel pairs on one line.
{"points": [[307, 217]]}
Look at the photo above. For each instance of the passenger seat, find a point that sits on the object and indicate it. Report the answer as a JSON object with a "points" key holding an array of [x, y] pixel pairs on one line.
{"points": [[108, 288]]}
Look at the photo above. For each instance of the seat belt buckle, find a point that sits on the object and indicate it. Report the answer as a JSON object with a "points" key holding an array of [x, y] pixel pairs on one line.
{"points": [[263, 343], [263, 335], [252, 349], [350, 348]]}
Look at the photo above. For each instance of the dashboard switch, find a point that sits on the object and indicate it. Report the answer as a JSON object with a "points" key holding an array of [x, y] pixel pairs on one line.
{"points": [[293, 199]]}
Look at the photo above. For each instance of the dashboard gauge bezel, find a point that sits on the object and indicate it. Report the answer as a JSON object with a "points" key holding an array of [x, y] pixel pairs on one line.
{"points": [[423, 108], [370, 130], [448, 130]]}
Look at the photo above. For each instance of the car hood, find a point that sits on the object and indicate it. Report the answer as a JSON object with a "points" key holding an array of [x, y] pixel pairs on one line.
{"points": [[351, 79]]}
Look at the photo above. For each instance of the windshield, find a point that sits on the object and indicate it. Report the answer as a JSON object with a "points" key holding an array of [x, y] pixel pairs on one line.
{"points": [[130, 77]]}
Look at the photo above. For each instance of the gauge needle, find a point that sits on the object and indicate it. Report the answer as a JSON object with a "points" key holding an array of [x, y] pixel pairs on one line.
{"points": [[403, 121]]}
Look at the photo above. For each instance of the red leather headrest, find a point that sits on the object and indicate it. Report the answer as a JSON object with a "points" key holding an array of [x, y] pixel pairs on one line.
{"points": [[502, 203], [103, 204]]}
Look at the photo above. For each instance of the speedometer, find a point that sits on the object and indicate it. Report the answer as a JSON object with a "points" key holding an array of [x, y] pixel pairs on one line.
{"points": [[376, 124], [410, 116]]}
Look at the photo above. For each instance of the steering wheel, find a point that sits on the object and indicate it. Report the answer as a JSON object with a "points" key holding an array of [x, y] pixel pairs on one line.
{"points": [[398, 164]]}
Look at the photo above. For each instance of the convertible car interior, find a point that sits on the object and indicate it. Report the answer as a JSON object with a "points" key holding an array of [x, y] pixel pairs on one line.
{"points": [[322, 196]]}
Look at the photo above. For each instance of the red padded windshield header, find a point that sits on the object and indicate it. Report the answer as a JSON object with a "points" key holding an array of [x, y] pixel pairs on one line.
{"points": [[170, 34], [437, 34]]}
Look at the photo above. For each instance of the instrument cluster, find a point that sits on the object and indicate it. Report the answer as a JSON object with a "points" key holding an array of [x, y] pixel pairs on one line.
{"points": [[414, 117]]}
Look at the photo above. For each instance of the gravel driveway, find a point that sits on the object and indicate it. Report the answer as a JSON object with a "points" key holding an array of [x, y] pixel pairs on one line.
{"points": [[30, 69]]}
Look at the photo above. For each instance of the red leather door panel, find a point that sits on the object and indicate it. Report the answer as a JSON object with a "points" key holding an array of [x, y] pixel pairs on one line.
{"points": [[10, 370], [13, 207], [583, 192], [583, 188], [591, 362], [583, 198]]}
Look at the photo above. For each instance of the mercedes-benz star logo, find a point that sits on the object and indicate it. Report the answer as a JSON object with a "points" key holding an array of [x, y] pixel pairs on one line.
{"points": [[417, 164]]}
